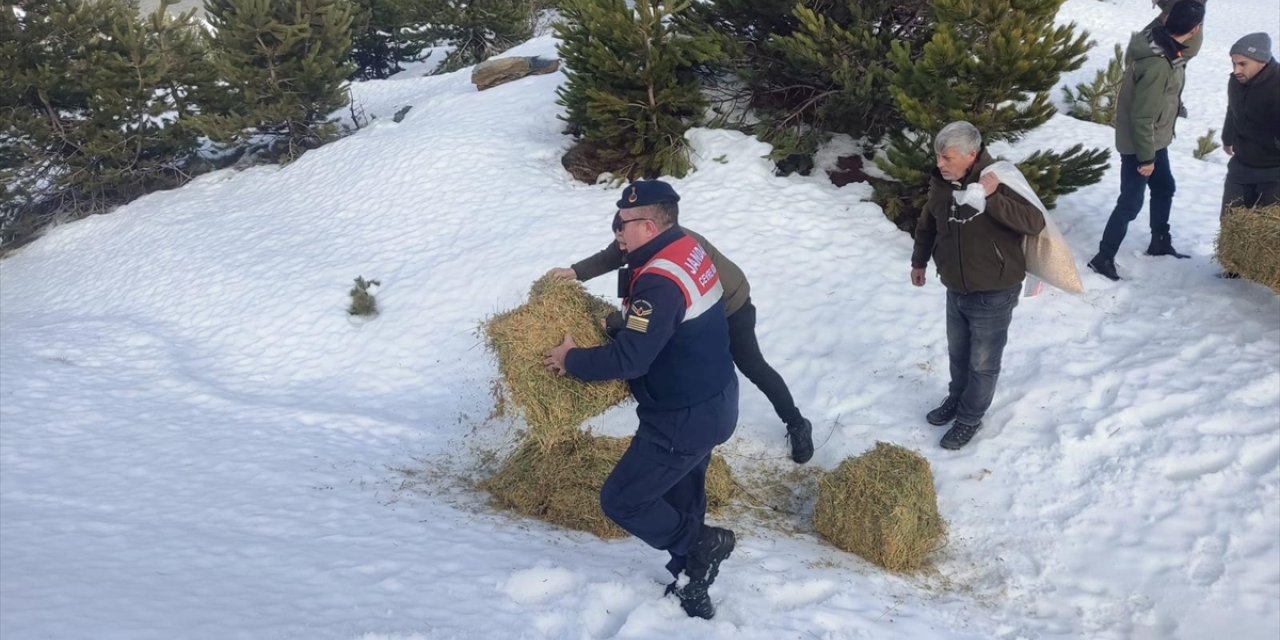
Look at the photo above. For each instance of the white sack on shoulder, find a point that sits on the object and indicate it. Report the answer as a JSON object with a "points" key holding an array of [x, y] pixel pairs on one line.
{"points": [[1048, 255]]}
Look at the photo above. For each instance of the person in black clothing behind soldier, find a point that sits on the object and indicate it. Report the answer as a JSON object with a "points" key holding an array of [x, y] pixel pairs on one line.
{"points": [[742, 326]]}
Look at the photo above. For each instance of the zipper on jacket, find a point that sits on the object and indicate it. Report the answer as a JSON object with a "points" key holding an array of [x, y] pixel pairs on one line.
{"points": [[999, 256], [959, 248]]}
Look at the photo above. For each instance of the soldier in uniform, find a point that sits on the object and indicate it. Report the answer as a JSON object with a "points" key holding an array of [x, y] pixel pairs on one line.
{"points": [[673, 351], [743, 344]]}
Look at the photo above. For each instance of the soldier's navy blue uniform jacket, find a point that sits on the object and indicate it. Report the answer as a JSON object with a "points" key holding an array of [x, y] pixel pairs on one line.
{"points": [[673, 350]]}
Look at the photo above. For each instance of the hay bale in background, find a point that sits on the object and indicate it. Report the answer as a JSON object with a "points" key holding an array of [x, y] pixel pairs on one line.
{"points": [[882, 506], [553, 405], [1249, 244], [561, 482]]}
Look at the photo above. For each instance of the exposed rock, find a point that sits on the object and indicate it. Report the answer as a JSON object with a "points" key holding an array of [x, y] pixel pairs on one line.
{"points": [[496, 71]]}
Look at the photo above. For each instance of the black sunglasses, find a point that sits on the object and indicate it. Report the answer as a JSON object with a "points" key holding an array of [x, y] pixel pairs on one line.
{"points": [[619, 223]]}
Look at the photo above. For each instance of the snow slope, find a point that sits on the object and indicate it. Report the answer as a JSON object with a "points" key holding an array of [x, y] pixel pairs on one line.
{"points": [[196, 442]]}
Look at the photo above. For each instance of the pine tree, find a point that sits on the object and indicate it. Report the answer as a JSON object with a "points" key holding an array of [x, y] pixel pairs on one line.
{"points": [[632, 90], [1053, 174], [809, 69], [1096, 101], [992, 63], [98, 110], [839, 55], [385, 33], [479, 29], [285, 63]]}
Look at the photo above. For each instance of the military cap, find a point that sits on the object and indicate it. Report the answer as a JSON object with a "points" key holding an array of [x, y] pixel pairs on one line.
{"points": [[646, 192]]}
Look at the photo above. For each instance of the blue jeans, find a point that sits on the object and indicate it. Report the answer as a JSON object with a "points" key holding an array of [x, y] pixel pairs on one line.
{"points": [[977, 330], [1133, 189]]}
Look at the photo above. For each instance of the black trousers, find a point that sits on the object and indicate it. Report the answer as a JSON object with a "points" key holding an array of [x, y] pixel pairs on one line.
{"points": [[746, 355], [1249, 187]]}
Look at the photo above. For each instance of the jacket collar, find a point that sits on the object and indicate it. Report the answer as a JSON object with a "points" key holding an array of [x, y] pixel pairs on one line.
{"points": [[642, 255], [983, 161], [1272, 69], [1162, 41]]}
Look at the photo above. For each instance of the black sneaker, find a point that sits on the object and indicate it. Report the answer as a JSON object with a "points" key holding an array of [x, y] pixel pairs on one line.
{"points": [[1105, 267], [800, 434], [693, 599], [945, 412], [959, 435], [714, 545]]}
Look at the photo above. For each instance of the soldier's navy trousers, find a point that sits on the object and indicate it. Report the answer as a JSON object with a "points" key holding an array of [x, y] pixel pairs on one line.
{"points": [[658, 491]]}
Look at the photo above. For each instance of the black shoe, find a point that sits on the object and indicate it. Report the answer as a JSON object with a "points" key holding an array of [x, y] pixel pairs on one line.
{"points": [[945, 412], [1105, 267], [800, 434], [714, 545], [693, 599], [959, 435], [1162, 245]]}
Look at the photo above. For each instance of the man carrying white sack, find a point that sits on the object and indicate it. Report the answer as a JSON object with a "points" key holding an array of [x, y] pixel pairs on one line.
{"points": [[973, 226]]}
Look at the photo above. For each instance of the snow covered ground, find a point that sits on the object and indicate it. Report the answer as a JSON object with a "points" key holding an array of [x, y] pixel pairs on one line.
{"points": [[196, 442]]}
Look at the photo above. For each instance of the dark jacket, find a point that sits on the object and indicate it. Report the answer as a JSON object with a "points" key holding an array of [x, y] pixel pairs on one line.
{"points": [[1252, 127], [1150, 93], [736, 288], [673, 362], [984, 252]]}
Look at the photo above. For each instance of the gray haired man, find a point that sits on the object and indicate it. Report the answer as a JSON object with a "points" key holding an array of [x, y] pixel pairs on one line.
{"points": [[972, 226]]}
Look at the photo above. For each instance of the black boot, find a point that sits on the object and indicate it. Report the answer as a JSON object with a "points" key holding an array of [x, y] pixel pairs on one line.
{"points": [[1105, 267], [959, 435], [693, 599], [800, 434], [945, 412], [1162, 245], [714, 545]]}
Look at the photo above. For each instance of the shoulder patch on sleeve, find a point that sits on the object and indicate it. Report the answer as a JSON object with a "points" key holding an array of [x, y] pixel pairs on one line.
{"points": [[638, 316], [642, 308], [638, 324]]}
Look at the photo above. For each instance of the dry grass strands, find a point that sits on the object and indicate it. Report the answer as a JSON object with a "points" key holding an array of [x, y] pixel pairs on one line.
{"points": [[561, 483], [882, 506], [1249, 244], [553, 405]]}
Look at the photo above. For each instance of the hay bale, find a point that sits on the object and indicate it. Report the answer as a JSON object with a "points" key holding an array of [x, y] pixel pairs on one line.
{"points": [[882, 506], [1249, 244], [553, 405], [561, 483]]}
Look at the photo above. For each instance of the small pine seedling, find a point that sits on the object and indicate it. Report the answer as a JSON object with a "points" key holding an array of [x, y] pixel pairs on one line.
{"points": [[1206, 145], [362, 301]]}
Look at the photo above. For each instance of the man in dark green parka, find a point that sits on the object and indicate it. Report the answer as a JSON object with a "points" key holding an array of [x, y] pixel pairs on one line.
{"points": [[1146, 115]]}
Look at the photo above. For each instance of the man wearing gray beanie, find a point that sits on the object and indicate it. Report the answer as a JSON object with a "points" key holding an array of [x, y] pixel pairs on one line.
{"points": [[1251, 133]]}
